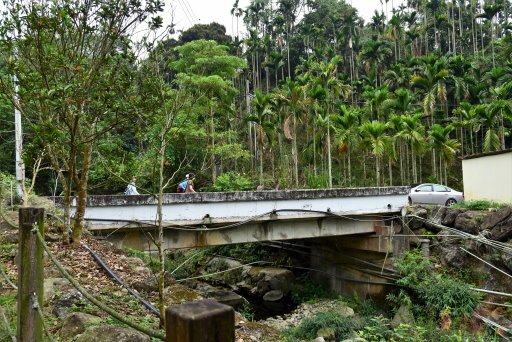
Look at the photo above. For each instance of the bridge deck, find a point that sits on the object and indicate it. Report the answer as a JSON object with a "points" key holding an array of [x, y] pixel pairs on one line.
{"points": [[107, 212]]}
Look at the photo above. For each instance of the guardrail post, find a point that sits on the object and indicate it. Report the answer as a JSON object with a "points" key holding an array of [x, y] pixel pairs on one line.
{"points": [[425, 247], [30, 275], [201, 321]]}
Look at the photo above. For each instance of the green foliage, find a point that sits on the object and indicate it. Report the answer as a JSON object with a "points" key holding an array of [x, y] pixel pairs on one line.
{"points": [[316, 181], [442, 292], [231, 181], [363, 306], [247, 311], [206, 57], [305, 289], [479, 205], [8, 303], [185, 263], [413, 267], [434, 292], [152, 262], [343, 327], [379, 329], [6, 182], [246, 253]]}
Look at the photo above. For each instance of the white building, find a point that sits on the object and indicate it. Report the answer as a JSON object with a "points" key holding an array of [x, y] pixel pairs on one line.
{"points": [[488, 176]]}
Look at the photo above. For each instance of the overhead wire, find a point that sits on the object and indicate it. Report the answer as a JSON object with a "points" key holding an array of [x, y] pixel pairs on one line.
{"points": [[487, 263], [494, 325], [187, 15], [191, 11]]}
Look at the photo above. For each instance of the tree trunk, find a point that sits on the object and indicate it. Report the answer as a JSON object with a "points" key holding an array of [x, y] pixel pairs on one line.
{"points": [[377, 170], [212, 131], [160, 240], [81, 187]]}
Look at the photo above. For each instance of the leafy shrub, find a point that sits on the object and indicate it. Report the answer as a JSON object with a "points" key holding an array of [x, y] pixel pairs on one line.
{"points": [[316, 181], [343, 327], [435, 292], [6, 182], [379, 329], [231, 181], [442, 292], [412, 267]]}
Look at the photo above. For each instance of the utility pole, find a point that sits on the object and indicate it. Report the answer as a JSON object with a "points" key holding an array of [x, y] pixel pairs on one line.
{"points": [[20, 165]]}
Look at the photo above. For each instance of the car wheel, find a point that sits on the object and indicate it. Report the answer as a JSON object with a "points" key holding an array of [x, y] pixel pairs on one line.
{"points": [[450, 202], [410, 201]]}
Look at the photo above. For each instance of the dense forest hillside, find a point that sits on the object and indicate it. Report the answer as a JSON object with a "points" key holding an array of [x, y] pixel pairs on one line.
{"points": [[306, 95]]}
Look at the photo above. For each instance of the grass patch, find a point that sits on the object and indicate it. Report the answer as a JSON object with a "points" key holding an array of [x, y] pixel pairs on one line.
{"points": [[342, 327], [8, 302], [479, 205]]}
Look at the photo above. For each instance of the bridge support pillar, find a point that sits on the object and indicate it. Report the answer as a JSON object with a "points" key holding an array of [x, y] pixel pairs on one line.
{"points": [[358, 264]]}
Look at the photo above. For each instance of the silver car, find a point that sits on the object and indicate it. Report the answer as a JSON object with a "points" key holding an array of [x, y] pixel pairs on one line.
{"points": [[429, 193]]}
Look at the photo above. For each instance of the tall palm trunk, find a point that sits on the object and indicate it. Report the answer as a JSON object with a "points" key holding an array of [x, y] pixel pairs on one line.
{"points": [[329, 157], [377, 170], [349, 167], [295, 153], [212, 131], [390, 170]]}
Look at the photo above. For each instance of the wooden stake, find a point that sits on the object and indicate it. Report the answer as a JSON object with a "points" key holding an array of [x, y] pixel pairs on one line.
{"points": [[201, 321], [30, 275]]}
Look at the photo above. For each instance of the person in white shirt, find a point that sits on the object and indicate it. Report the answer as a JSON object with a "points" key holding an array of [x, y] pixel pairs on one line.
{"points": [[131, 189]]}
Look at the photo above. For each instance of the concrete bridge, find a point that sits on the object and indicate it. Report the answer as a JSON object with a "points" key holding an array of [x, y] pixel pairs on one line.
{"points": [[207, 219], [336, 226]]}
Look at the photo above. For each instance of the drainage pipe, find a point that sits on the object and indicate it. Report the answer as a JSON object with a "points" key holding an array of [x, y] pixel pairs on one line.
{"points": [[100, 262]]}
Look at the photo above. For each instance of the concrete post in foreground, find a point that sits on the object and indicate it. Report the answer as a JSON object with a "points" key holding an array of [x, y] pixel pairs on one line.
{"points": [[202, 321], [30, 275], [425, 247]]}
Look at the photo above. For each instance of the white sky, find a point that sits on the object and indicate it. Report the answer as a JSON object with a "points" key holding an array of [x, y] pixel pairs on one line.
{"points": [[190, 12]]}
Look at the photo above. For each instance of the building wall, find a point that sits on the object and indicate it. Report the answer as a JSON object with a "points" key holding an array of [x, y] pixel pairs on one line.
{"points": [[488, 178]]}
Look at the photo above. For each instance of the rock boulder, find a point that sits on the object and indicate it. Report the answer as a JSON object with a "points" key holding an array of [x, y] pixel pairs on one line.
{"points": [[502, 231], [490, 221], [260, 280], [450, 216], [469, 222], [51, 285], [75, 324], [64, 303], [109, 333], [403, 316]]}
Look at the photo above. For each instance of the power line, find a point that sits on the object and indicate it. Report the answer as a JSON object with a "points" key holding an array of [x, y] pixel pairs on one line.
{"points": [[191, 11], [190, 21]]}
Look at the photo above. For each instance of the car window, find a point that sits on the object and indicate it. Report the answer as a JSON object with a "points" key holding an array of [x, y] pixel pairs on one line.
{"points": [[440, 188], [424, 188]]}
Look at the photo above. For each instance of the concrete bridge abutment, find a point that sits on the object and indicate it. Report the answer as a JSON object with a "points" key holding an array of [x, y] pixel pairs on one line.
{"points": [[358, 265]]}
